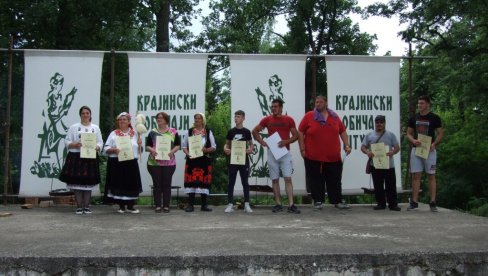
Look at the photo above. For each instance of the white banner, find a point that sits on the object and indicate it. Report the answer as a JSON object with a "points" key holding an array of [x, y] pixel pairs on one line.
{"points": [[56, 85], [359, 88], [256, 81], [173, 83]]}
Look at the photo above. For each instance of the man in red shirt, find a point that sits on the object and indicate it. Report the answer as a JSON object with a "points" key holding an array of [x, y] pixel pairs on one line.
{"points": [[319, 133], [283, 125]]}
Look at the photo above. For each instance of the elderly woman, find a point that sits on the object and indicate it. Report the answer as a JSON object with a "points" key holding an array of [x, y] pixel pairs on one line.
{"points": [[198, 170], [123, 183], [82, 174], [162, 168]]}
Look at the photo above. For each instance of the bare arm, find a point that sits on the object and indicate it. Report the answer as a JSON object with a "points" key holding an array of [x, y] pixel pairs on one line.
{"points": [[366, 151], [438, 138], [255, 134], [345, 141], [301, 143], [410, 137]]}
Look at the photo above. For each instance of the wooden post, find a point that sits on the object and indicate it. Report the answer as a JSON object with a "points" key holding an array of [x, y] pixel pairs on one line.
{"points": [[112, 88], [411, 110], [6, 126]]}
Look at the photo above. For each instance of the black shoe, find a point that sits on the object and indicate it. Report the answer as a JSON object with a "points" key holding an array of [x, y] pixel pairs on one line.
{"points": [[395, 208], [205, 208], [189, 209], [413, 206], [293, 209], [379, 207], [433, 206], [277, 208]]}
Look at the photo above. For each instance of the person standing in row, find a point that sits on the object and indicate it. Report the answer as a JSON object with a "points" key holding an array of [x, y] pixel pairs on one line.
{"points": [[319, 133], [426, 123], [162, 168], [384, 180], [283, 125], [238, 133], [82, 174], [123, 182], [198, 169]]}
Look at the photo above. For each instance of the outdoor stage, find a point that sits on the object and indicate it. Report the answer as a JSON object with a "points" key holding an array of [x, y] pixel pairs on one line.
{"points": [[53, 240]]}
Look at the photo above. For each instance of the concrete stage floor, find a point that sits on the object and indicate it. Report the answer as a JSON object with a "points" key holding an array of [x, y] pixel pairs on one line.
{"points": [[55, 241]]}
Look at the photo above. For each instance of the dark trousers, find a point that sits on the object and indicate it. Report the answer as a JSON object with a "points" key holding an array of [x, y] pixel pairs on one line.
{"points": [[322, 175], [384, 182], [162, 177], [232, 173]]}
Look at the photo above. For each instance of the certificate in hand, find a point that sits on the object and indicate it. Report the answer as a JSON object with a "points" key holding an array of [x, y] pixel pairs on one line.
{"points": [[380, 160], [88, 145], [272, 142], [163, 147], [195, 146], [124, 145], [424, 149], [238, 152]]}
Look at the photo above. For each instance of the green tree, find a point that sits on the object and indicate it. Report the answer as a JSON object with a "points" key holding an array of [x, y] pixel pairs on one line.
{"points": [[455, 32], [219, 123]]}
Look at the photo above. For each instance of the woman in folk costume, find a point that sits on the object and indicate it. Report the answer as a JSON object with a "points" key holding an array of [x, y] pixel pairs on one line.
{"points": [[82, 174], [198, 170], [123, 183]]}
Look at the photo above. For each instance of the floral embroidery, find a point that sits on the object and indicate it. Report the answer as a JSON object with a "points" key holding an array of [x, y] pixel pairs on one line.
{"points": [[119, 132]]}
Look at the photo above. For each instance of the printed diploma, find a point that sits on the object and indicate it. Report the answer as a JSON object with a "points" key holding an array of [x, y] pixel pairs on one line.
{"points": [[195, 146], [163, 147], [424, 149], [124, 145], [380, 160], [88, 145], [238, 152]]}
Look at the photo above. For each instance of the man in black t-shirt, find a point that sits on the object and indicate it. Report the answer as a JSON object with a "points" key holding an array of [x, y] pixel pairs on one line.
{"points": [[427, 123], [239, 162]]}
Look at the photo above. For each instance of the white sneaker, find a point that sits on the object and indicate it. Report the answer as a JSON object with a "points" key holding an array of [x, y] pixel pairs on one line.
{"points": [[230, 208], [132, 211], [247, 208], [120, 211]]}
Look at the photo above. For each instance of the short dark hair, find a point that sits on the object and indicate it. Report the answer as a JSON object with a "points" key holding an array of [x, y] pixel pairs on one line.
{"points": [[165, 116], [279, 101], [240, 112], [424, 98]]}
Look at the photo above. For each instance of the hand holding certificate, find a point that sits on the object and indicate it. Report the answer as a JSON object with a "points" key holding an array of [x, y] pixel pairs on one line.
{"points": [[163, 147], [424, 148], [272, 142], [380, 160], [238, 152], [88, 145], [195, 146], [124, 145]]}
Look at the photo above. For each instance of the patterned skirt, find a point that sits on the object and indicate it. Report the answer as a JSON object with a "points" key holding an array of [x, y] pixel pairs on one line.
{"points": [[198, 173], [78, 170]]}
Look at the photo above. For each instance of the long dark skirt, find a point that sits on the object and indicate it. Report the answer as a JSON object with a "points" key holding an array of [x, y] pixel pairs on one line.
{"points": [[123, 179], [78, 170]]}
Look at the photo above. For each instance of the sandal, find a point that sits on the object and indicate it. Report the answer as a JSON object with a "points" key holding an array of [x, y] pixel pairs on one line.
{"points": [[158, 210], [165, 210]]}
